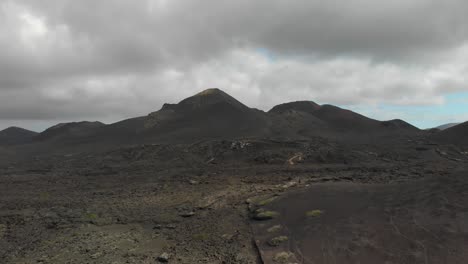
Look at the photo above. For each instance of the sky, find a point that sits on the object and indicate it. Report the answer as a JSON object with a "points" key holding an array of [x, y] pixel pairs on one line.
{"points": [[107, 60]]}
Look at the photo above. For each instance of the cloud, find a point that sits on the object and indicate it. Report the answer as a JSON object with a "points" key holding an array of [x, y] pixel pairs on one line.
{"points": [[113, 59]]}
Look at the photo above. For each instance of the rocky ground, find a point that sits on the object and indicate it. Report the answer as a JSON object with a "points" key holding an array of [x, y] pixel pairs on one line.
{"points": [[199, 203]]}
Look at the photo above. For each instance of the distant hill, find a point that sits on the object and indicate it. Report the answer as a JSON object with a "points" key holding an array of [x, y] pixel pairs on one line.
{"points": [[16, 135], [445, 126], [331, 118], [455, 135], [399, 124]]}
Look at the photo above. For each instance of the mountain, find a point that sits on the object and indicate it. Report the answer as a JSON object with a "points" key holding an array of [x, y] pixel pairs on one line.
{"points": [[16, 135], [455, 135], [209, 114], [332, 119], [445, 126], [211, 102], [213, 114]]}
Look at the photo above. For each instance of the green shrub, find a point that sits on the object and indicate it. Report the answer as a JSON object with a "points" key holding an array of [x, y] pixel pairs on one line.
{"points": [[276, 241], [314, 213], [3, 229], [266, 201], [262, 214], [201, 236], [91, 216], [274, 228], [44, 196], [282, 257]]}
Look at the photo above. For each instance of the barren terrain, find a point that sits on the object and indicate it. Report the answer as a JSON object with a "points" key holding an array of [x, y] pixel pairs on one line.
{"points": [[303, 188]]}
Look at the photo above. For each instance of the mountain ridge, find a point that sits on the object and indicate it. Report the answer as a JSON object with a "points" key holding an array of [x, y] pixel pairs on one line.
{"points": [[446, 126], [214, 114]]}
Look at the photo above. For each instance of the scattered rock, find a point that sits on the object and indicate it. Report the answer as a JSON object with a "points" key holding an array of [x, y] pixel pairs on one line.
{"points": [[289, 185], [297, 158], [187, 214], [442, 153], [240, 145], [164, 257], [193, 182]]}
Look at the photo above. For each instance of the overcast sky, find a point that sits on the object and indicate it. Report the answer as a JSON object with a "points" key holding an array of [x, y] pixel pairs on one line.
{"points": [[69, 60]]}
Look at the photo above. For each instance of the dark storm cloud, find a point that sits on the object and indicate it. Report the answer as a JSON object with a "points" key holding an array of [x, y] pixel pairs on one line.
{"points": [[64, 59]]}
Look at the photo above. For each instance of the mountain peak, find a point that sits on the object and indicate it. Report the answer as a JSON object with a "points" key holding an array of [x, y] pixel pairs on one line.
{"points": [[15, 129], [210, 91], [209, 97], [12, 128]]}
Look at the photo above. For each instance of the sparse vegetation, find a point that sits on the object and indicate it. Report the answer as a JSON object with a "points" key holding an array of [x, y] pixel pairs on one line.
{"points": [[274, 228], [266, 201], [314, 213], [131, 195], [282, 257], [200, 236], [3, 229], [276, 241], [91, 216], [261, 214], [44, 196]]}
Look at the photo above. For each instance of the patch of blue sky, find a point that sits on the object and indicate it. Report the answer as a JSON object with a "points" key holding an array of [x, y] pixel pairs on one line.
{"points": [[453, 110], [266, 53]]}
